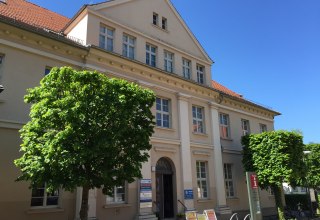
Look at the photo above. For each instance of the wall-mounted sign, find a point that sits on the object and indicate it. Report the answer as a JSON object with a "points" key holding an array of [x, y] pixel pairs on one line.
{"points": [[188, 194], [145, 193]]}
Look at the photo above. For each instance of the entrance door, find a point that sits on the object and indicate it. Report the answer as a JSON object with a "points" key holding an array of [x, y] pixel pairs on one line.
{"points": [[164, 189]]}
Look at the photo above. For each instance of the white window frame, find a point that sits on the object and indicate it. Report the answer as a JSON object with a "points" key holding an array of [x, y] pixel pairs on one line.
{"points": [[108, 35], [128, 42], [151, 55], [224, 121], [198, 119], [162, 112], [168, 61], [245, 125], [45, 197], [200, 74], [228, 178], [186, 68], [164, 23], [155, 19], [202, 179], [113, 199], [263, 128]]}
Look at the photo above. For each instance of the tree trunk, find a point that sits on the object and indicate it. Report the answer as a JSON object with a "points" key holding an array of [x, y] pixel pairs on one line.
{"points": [[84, 203], [278, 200]]}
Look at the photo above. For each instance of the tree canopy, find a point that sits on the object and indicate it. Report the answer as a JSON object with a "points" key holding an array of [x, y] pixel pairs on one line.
{"points": [[312, 159], [276, 157], [85, 130]]}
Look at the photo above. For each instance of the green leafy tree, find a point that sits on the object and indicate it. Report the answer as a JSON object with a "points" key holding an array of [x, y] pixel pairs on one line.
{"points": [[312, 159], [86, 130], [276, 157]]}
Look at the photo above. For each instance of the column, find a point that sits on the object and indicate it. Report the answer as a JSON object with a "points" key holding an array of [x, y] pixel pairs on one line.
{"points": [[218, 164], [185, 152]]}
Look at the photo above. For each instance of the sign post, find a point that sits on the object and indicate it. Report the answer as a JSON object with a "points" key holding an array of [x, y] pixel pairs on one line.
{"points": [[254, 198]]}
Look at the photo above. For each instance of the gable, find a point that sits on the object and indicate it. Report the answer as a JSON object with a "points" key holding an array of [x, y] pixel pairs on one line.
{"points": [[138, 15]]}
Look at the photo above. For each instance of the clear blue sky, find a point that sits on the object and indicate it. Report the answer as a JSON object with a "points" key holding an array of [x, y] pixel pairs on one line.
{"points": [[266, 50]]}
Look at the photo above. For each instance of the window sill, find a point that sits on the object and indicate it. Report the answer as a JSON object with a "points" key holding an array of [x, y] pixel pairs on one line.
{"points": [[119, 205], [160, 28], [226, 139], [44, 210], [204, 200], [200, 134], [232, 198], [164, 128]]}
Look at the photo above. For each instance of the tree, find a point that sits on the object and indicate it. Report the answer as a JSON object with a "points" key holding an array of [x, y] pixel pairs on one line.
{"points": [[312, 160], [276, 157], [86, 130]]}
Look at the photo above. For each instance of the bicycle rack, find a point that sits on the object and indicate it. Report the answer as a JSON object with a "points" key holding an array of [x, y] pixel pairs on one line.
{"points": [[235, 215], [247, 216]]}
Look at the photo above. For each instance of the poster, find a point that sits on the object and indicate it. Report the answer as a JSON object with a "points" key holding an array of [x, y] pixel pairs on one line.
{"points": [[145, 193]]}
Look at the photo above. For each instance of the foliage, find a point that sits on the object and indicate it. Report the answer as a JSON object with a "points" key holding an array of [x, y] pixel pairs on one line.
{"points": [[85, 130], [276, 157], [312, 160]]}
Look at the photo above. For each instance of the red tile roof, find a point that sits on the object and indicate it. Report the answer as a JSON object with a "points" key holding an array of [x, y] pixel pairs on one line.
{"points": [[32, 14], [224, 89]]}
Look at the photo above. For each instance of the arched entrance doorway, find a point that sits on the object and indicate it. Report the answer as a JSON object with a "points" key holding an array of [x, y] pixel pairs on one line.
{"points": [[164, 188]]}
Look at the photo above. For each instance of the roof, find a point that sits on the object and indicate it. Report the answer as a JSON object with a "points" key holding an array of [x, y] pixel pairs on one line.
{"points": [[224, 89], [32, 14]]}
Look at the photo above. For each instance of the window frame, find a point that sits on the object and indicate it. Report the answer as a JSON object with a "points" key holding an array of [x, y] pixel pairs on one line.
{"points": [[168, 60], [198, 125], [115, 195], [247, 130], [45, 198], [186, 68], [155, 19], [162, 112], [107, 37], [200, 179], [150, 55], [223, 126], [164, 23], [200, 74], [127, 45], [263, 127], [228, 180]]}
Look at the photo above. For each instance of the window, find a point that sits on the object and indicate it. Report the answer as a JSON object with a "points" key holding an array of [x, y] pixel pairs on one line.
{"points": [[200, 74], [118, 196], [198, 119], [106, 38], [202, 180], [168, 61], [1, 58], [263, 128], [163, 115], [164, 23], [228, 180], [155, 19], [151, 55], [224, 126], [47, 70], [128, 46], [186, 68], [41, 198], [245, 127]]}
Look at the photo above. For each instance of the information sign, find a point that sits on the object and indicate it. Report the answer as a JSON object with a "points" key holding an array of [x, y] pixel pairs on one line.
{"points": [[145, 193], [188, 194], [254, 198]]}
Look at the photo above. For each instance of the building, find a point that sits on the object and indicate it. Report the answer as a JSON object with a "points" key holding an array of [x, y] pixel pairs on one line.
{"points": [[195, 160]]}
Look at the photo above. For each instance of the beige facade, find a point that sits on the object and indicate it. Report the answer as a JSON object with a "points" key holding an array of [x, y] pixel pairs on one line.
{"points": [[196, 156]]}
